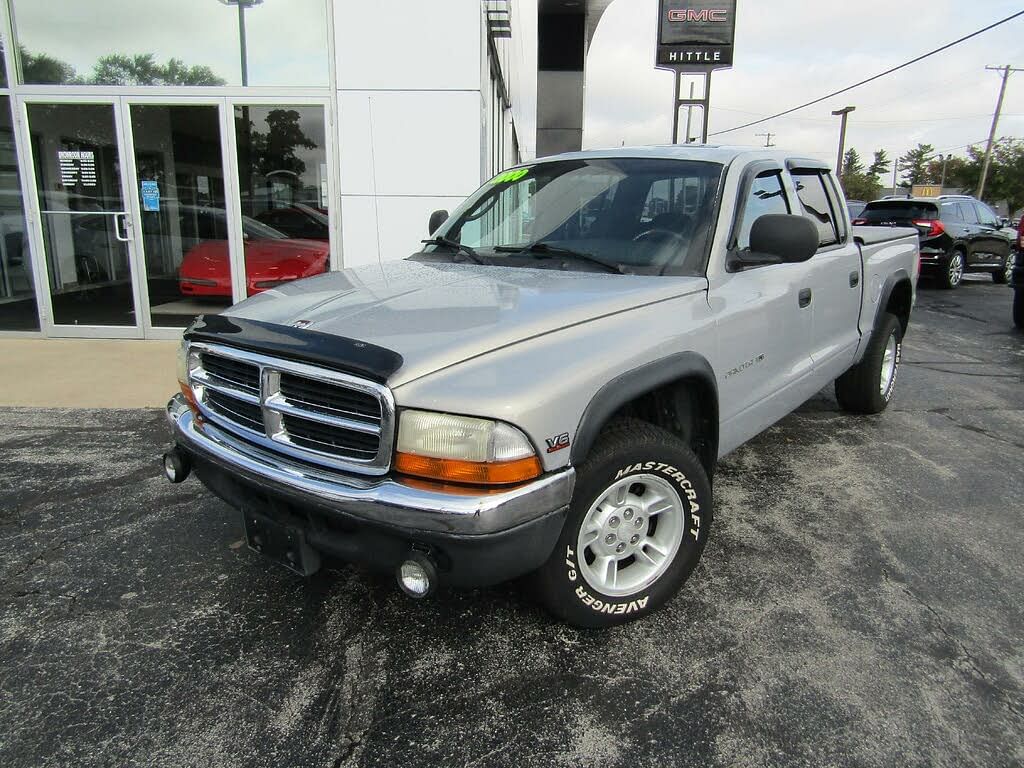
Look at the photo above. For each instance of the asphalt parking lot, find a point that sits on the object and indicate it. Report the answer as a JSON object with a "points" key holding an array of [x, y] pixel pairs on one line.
{"points": [[859, 604]]}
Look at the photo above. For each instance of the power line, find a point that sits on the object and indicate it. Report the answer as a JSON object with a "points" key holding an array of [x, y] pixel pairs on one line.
{"points": [[873, 77]]}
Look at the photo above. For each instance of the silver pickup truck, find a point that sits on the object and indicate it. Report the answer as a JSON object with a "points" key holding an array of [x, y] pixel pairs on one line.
{"points": [[546, 387]]}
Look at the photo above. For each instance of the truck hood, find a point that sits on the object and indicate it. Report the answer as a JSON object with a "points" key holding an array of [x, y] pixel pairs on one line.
{"points": [[436, 315]]}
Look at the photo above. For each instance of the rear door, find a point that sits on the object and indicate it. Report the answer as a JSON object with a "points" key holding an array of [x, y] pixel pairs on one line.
{"points": [[971, 231], [835, 274]]}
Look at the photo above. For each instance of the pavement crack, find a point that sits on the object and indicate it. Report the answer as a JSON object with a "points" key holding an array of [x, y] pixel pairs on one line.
{"points": [[980, 430], [1006, 697]]}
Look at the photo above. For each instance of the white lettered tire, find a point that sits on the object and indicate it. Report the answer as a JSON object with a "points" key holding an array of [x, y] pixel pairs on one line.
{"points": [[638, 522]]}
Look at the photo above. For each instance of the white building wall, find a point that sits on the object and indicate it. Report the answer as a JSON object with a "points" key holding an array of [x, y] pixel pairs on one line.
{"points": [[413, 88], [408, 119]]}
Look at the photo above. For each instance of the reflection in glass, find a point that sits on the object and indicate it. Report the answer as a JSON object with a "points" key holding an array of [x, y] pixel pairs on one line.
{"points": [[185, 42], [74, 152], [184, 225], [282, 167], [17, 295]]}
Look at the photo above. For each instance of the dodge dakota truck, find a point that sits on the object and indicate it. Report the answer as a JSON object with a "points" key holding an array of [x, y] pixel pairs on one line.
{"points": [[546, 387]]}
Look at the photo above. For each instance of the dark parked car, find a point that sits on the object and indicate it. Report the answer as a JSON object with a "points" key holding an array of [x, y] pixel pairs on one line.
{"points": [[958, 234]]}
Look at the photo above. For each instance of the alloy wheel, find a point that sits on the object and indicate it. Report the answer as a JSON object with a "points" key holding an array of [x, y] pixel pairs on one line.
{"points": [[631, 534]]}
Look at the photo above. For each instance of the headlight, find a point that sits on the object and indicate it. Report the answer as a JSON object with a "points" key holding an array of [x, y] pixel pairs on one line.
{"points": [[463, 449]]}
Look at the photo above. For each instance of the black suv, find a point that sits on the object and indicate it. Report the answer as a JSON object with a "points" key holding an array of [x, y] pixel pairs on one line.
{"points": [[958, 234]]}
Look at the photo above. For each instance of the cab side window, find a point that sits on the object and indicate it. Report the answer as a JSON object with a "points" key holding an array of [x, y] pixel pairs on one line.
{"points": [[767, 195], [810, 188]]}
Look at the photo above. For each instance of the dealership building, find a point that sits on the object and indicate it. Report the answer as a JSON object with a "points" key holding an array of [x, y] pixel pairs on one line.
{"points": [[163, 159]]}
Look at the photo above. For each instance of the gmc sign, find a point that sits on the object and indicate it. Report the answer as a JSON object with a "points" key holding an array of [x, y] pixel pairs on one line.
{"points": [[696, 35]]}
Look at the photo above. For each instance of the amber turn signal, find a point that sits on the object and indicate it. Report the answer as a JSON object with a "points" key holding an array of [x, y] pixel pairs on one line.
{"points": [[473, 472]]}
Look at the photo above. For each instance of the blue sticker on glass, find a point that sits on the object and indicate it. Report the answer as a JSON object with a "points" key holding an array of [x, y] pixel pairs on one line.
{"points": [[150, 196]]}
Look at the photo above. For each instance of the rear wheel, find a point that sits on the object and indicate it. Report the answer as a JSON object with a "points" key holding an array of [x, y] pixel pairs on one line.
{"points": [[868, 386], [637, 524], [953, 270], [1004, 275]]}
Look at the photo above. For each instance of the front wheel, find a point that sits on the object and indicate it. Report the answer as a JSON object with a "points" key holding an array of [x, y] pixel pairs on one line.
{"points": [[1003, 276], [638, 522], [953, 273], [868, 386]]}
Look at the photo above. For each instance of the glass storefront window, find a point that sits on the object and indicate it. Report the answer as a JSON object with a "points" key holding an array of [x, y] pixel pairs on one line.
{"points": [[282, 170], [185, 42], [17, 293], [180, 173]]}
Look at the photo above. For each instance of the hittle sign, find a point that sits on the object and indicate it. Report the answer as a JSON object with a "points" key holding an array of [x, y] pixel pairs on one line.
{"points": [[695, 35]]}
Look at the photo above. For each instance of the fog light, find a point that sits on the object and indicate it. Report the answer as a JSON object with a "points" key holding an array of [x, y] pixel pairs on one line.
{"points": [[176, 466], [417, 576]]}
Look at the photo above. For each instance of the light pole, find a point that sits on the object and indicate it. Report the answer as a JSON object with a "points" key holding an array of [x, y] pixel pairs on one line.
{"points": [[242, 5], [844, 112]]}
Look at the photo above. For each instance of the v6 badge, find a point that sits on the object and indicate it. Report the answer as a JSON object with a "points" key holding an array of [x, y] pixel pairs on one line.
{"points": [[558, 442]]}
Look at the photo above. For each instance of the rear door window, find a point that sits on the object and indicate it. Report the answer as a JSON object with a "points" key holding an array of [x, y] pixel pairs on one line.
{"points": [[767, 195], [950, 212], [810, 188], [967, 213]]}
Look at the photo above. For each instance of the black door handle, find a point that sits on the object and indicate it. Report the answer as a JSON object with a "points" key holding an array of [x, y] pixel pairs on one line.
{"points": [[854, 279], [804, 297]]}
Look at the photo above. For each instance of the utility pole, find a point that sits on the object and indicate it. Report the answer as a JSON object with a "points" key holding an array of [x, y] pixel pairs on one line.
{"points": [[767, 138], [844, 112], [945, 161], [1006, 70]]}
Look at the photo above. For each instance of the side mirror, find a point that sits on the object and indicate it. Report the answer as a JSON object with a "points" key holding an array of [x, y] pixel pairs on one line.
{"points": [[780, 238], [437, 218], [1004, 222]]}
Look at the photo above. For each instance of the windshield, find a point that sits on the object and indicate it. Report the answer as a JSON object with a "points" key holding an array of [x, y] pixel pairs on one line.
{"points": [[648, 216]]}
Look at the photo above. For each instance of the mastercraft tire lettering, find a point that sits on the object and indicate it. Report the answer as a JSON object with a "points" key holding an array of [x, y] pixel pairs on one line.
{"points": [[638, 523]]}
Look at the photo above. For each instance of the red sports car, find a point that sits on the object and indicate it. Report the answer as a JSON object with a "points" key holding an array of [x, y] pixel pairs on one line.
{"points": [[271, 258]]}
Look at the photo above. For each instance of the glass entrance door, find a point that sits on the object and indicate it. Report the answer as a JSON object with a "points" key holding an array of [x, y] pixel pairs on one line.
{"points": [[185, 228], [85, 227]]}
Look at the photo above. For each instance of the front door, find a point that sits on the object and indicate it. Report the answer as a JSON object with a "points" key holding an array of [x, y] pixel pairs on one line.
{"points": [[83, 234]]}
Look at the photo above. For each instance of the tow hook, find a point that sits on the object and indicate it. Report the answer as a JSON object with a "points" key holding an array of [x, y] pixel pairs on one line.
{"points": [[177, 467], [417, 575]]}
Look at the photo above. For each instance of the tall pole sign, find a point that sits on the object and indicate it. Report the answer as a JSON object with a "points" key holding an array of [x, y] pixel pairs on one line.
{"points": [[695, 37]]}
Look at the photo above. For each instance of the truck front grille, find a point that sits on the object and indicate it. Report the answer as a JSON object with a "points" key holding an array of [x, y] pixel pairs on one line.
{"points": [[307, 412]]}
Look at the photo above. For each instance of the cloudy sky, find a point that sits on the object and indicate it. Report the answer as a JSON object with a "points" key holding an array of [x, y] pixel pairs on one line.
{"points": [[792, 51]]}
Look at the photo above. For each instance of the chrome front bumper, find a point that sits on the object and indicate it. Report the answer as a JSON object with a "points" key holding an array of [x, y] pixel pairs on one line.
{"points": [[375, 500]]}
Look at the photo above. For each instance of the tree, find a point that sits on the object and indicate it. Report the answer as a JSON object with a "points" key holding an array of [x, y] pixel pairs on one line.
{"points": [[862, 183], [43, 69], [143, 69], [1005, 179], [959, 171], [913, 165], [274, 150], [880, 165]]}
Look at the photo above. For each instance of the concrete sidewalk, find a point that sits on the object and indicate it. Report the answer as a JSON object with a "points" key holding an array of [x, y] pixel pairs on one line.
{"points": [[87, 373]]}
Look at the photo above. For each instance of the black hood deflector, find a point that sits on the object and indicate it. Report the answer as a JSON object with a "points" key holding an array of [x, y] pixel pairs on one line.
{"points": [[339, 353]]}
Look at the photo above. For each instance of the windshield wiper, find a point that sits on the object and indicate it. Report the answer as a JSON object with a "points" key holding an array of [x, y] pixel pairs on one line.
{"points": [[554, 250], [458, 247]]}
